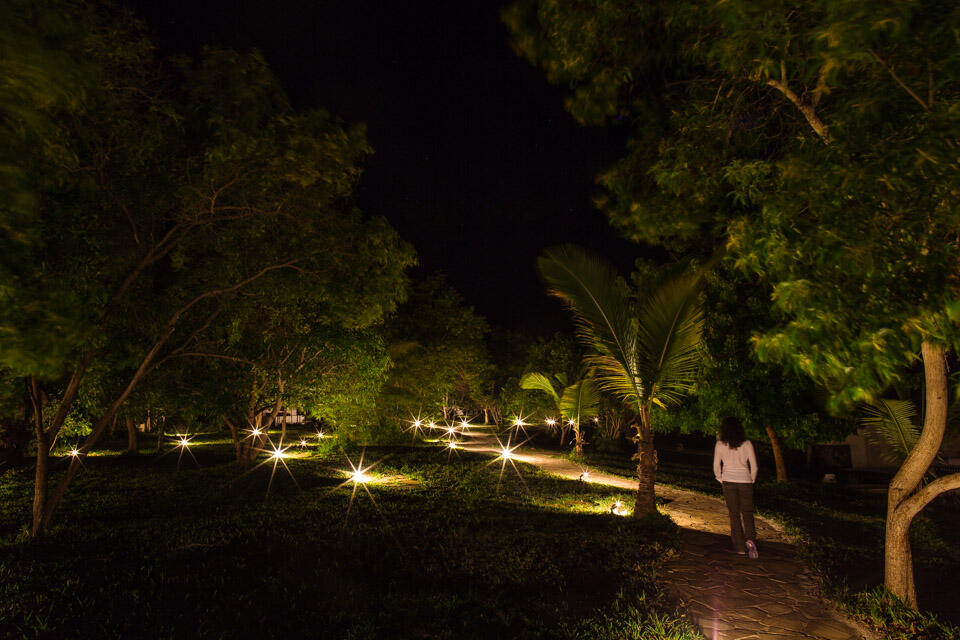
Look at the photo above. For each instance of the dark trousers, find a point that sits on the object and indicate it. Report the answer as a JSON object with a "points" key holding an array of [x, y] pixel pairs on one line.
{"points": [[739, 497]]}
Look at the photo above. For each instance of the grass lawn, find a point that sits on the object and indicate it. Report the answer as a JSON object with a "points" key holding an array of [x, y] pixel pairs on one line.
{"points": [[840, 530], [142, 549]]}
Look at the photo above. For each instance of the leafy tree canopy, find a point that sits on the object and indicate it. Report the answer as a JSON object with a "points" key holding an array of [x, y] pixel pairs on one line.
{"points": [[816, 140]]}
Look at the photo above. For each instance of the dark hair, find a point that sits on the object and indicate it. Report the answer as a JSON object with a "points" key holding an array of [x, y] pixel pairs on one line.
{"points": [[731, 432]]}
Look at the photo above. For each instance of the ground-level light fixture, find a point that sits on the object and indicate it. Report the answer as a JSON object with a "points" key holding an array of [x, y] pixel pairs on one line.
{"points": [[550, 421], [74, 453], [618, 509]]}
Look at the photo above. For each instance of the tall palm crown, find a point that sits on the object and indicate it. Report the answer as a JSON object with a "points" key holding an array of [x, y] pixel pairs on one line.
{"points": [[644, 351]]}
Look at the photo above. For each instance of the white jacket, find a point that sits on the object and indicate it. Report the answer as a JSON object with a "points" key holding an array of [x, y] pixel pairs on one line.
{"points": [[735, 465]]}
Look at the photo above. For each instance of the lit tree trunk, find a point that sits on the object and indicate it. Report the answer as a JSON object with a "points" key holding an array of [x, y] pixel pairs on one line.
{"points": [[902, 503], [646, 458], [577, 440], [133, 447], [778, 460]]}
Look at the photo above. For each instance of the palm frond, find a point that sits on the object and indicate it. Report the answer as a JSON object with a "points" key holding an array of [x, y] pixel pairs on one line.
{"points": [[580, 402], [538, 382], [890, 426], [606, 318], [669, 333], [611, 377]]}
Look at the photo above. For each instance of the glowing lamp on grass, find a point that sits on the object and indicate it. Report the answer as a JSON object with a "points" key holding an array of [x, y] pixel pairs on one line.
{"points": [[451, 430], [506, 453], [74, 453], [451, 445], [432, 424], [256, 433], [518, 422], [464, 424], [551, 421], [618, 509], [183, 442], [571, 423], [417, 423], [303, 442], [359, 476], [278, 453]]}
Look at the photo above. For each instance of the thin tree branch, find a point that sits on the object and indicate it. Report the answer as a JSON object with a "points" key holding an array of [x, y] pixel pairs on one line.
{"points": [[893, 74]]}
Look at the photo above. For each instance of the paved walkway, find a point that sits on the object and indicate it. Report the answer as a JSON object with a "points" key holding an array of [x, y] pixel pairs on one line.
{"points": [[730, 597]]}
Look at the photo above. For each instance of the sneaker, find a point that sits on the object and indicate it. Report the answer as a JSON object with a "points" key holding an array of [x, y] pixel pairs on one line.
{"points": [[752, 549]]}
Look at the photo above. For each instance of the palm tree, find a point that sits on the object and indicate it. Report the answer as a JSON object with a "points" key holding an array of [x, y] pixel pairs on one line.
{"points": [[645, 351], [576, 403]]}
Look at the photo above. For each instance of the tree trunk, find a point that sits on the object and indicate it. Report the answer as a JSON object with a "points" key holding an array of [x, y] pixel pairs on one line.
{"points": [[43, 457], [778, 460], [249, 449], [235, 435], [40, 487], [133, 445], [902, 507], [283, 430], [646, 467], [577, 440], [161, 428]]}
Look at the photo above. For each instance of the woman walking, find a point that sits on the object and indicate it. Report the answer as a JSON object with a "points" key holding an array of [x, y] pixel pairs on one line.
{"points": [[735, 467]]}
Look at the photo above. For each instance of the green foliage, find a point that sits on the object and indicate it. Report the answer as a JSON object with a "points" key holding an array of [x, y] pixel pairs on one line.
{"points": [[889, 615], [890, 426], [733, 381], [580, 402], [535, 381], [440, 360], [814, 139], [643, 352]]}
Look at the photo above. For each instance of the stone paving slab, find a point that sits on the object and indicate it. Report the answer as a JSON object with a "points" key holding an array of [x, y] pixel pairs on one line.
{"points": [[728, 596]]}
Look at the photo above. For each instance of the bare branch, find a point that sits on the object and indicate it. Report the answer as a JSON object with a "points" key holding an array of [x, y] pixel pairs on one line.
{"points": [[806, 109]]}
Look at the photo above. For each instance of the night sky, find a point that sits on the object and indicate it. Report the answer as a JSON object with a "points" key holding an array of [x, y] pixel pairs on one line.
{"points": [[476, 162]]}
